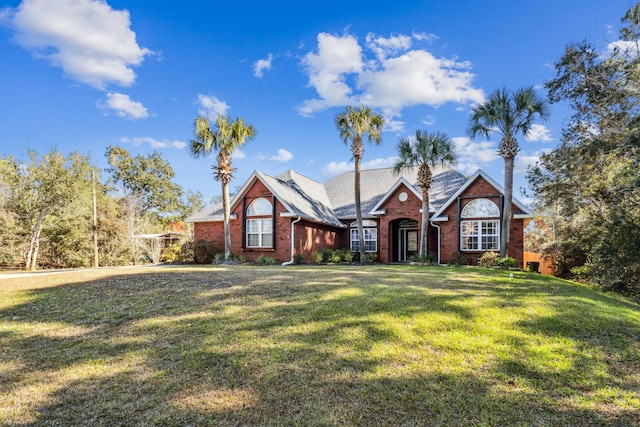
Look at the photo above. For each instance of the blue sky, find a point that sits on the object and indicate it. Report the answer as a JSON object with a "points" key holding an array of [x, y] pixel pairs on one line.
{"points": [[80, 75]]}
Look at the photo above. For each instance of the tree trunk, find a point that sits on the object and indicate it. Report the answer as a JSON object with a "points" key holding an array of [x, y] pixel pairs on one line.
{"points": [[424, 231], [227, 218], [506, 212], [34, 245], [95, 219], [30, 261], [363, 255]]}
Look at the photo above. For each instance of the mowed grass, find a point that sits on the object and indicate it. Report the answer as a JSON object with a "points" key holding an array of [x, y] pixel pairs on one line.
{"points": [[336, 345]]}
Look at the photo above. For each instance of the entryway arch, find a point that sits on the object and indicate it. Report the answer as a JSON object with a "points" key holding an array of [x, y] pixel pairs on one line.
{"points": [[404, 239]]}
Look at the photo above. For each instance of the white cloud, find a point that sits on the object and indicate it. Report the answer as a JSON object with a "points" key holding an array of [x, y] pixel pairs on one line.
{"points": [[261, 65], [626, 48], [383, 47], [473, 155], [211, 106], [394, 78], [239, 154], [124, 106], [332, 169], [89, 40], [538, 133], [429, 120], [282, 156], [417, 77], [524, 160], [428, 37], [336, 57], [153, 143]]}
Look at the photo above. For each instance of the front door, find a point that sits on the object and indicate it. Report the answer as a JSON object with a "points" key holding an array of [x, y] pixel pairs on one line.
{"points": [[407, 244]]}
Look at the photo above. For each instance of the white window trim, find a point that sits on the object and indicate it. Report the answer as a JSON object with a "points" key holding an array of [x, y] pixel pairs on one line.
{"points": [[260, 232], [372, 239], [480, 235]]}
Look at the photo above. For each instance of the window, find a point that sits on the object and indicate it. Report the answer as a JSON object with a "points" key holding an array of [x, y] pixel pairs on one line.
{"points": [[259, 207], [260, 230], [478, 208], [370, 236], [480, 235], [260, 233]]}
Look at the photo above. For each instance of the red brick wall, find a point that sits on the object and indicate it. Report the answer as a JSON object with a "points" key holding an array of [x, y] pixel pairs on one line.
{"points": [[310, 237], [211, 231], [449, 237], [214, 231], [396, 209]]}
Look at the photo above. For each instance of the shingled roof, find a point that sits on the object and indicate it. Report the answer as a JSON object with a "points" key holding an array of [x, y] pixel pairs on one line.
{"points": [[333, 201]]}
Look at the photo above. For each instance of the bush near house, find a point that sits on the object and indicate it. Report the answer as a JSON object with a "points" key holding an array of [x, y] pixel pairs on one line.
{"points": [[204, 252], [266, 260]]}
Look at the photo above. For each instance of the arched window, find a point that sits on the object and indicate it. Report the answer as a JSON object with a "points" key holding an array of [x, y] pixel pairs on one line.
{"points": [[480, 234], [260, 230], [480, 208], [259, 207]]}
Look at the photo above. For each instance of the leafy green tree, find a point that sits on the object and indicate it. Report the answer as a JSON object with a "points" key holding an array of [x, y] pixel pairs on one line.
{"points": [[227, 135], [593, 175], [426, 151], [508, 114], [352, 124], [10, 239], [40, 189], [148, 193]]}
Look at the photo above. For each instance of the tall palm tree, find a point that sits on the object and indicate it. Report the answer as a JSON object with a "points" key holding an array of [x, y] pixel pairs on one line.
{"points": [[508, 114], [227, 135], [426, 151], [353, 123]]}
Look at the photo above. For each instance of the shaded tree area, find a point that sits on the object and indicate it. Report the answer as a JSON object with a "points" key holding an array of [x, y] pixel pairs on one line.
{"points": [[588, 189], [47, 208]]}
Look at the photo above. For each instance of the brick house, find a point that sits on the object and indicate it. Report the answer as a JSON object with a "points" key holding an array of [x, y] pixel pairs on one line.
{"points": [[291, 214]]}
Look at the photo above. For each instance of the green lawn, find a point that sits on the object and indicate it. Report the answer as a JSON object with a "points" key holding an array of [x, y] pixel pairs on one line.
{"points": [[336, 345]]}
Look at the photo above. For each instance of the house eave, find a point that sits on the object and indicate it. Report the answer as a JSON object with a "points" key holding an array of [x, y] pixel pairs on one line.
{"points": [[522, 215], [309, 219], [212, 219], [378, 212]]}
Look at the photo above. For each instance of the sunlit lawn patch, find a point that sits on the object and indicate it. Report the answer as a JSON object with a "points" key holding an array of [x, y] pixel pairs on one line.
{"points": [[338, 345]]}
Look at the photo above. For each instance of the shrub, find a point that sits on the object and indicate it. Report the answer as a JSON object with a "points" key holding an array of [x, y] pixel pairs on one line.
{"points": [[170, 253], [298, 259], [458, 258], [372, 257], [186, 253], [429, 259], [233, 259], [326, 254], [488, 259], [266, 260], [334, 255], [507, 262], [204, 251], [347, 255], [316, 257]]}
